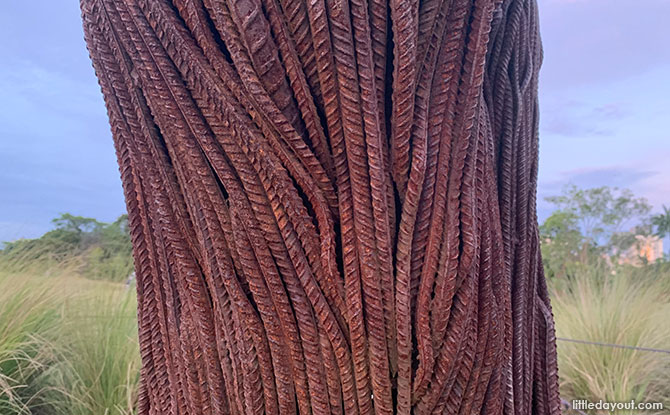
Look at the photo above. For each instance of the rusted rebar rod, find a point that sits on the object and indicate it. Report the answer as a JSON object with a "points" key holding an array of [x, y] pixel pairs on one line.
{"points": [[331, 203]]}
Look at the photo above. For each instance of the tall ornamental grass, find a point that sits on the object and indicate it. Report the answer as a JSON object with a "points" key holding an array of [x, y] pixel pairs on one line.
{"points": [[29, 322], [102, 353], [68, 346], [619, 308]]}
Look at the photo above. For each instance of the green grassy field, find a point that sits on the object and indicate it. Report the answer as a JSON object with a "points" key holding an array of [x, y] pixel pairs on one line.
{"points": [[68, 345], [630, 308]]}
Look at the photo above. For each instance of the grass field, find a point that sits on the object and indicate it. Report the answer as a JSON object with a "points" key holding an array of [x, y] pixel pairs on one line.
{"points": [[68, 345], [630, 307]]}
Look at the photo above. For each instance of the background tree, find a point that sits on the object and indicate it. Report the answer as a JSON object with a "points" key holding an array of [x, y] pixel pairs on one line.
{"points": [[77, 224], [661, 222], [589, 226], [562, 243], [602, 213], [97, 249]]}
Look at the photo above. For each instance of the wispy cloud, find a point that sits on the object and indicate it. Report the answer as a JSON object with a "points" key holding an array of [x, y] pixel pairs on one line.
{"points": [[576, 118], [601, 41], [613, 176]]}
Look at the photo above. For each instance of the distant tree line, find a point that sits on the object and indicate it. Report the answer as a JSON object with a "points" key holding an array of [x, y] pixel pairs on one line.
{"points": [[587, 227], [92, 248], [596, 225]]}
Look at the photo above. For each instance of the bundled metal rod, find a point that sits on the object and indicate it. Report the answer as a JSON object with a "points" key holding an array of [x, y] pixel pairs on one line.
{"points": [[331, 203]]}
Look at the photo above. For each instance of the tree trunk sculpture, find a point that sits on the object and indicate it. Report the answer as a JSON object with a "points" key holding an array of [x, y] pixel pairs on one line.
{"points": [[331, 203]]}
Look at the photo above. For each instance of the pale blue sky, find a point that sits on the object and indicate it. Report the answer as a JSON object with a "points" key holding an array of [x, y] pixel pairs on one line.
{"points": [[605, 101]]}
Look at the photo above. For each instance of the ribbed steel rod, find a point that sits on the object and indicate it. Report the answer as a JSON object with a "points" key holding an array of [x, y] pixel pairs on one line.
{"points": [[331, 203]]}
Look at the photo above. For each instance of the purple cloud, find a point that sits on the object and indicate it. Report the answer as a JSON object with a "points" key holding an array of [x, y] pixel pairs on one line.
{"points": [[575, 118], [599, 41]]}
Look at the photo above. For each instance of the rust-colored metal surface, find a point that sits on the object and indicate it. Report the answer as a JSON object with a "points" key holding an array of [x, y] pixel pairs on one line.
{"points": [[332, 203]]}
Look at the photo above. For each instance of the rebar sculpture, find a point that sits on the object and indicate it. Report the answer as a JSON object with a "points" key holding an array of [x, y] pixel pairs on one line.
{"points": [[331, 203]]}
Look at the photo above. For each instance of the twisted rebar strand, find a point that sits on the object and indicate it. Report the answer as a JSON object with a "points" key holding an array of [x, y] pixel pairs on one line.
{"points": [[331, 203]]}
